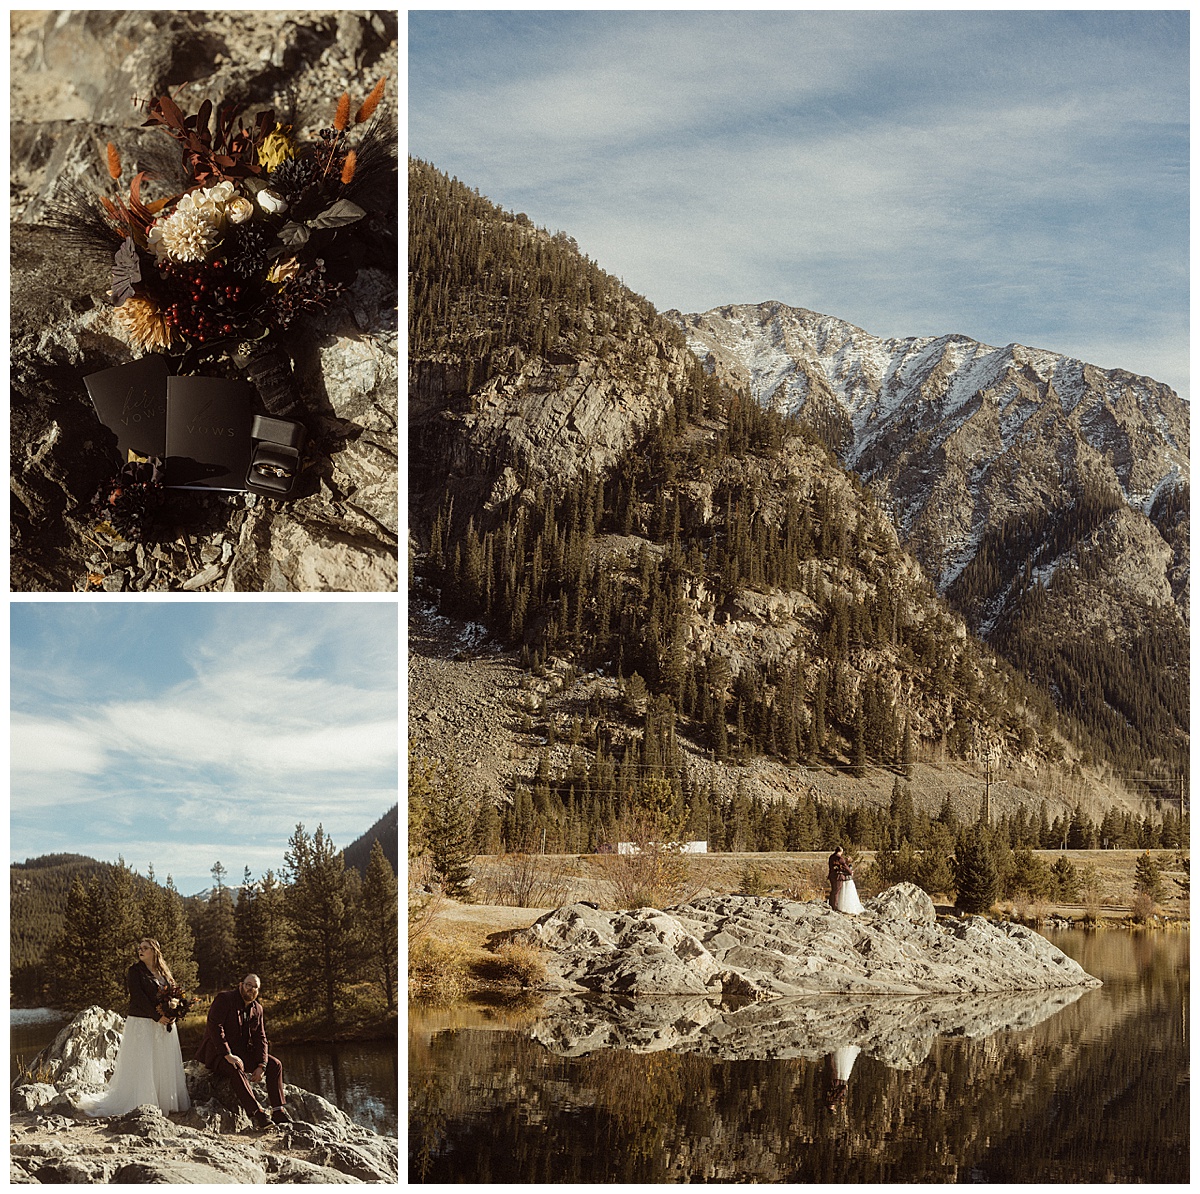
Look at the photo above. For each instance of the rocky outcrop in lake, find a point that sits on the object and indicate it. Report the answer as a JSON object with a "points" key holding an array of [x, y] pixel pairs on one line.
{"points": [[764, 948], [213, 1141]]}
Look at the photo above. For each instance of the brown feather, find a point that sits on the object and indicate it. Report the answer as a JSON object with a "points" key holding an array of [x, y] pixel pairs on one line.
{"points": [[114, 161], [371, 102], [343, 113]]}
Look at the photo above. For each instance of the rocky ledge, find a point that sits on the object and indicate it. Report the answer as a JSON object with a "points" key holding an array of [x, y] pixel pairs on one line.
{"points": [[765, 948], [213, 1141]]}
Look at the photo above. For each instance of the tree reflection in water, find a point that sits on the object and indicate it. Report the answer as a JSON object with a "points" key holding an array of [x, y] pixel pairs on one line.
{"points": [[1097, 1091]]}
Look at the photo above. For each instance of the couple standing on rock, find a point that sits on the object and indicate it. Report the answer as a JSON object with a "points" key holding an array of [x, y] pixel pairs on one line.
{"points": [[149, 1065], [843, 895]]}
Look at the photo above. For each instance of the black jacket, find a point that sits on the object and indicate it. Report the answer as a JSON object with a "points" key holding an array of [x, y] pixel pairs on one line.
{"points": [[143, 991]]}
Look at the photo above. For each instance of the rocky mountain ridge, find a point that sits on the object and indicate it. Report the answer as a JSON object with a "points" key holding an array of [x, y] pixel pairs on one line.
{"points": [[957, 436], [527, 364], [1048, 499], [582, 487]]}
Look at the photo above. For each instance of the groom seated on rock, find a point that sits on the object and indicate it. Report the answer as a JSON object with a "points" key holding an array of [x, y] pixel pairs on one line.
{"points": [[235, 1049]]}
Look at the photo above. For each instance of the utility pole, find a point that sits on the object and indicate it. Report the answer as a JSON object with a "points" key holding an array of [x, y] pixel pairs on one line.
{"points": [[987, 786]]}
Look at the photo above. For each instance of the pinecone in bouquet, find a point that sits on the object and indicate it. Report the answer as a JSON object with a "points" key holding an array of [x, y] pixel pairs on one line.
{"points": [[131, 500]]}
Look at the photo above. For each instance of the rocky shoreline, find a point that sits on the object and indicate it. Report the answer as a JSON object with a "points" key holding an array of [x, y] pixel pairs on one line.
{"points": [[213, 1141]]}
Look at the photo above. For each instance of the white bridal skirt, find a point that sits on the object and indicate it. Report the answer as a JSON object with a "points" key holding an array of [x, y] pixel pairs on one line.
{"points": [[149, 1069], [843, 1060], [847, 899]]}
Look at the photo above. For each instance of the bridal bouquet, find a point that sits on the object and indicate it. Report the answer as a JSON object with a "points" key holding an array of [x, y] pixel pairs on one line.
{"points": [[261, 225], [173, 1003], [251, 240]]}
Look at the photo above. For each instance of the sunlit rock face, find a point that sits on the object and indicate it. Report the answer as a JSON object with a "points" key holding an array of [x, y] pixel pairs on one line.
{"points": [[966, 442], [764, 948]]}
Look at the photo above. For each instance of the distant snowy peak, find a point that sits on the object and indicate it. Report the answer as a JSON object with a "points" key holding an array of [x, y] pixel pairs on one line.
{"points": [[959, 435]]}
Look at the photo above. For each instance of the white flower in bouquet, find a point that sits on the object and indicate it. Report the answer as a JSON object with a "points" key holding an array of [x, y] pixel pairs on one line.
{"points": [[187, 234], [238, 210], [270, 202]]}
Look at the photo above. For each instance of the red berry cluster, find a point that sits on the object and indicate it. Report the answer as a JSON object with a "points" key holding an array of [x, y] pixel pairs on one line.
{"points": [[203, 300]]}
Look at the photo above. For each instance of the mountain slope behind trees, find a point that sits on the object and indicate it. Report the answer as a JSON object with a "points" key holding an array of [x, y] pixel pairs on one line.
{"points": [[387, 832], [702, 571], [1047, 498]]}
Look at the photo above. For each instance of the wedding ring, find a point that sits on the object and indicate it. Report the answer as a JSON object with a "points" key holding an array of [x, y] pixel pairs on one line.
{"points": [[272, 470]]}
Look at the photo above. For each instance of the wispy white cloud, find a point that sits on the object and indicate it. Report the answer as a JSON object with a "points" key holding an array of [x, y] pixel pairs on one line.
{"points": [[238, 721]]}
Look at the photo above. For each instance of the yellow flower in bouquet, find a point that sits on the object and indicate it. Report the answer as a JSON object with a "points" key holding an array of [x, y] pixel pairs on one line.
{"points": [[275, 149]]}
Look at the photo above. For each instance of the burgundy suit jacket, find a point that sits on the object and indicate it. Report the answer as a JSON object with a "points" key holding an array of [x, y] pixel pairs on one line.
{"points": [[234, 1028]]}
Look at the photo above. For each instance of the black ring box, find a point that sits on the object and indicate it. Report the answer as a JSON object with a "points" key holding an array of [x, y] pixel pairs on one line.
{"points": [[276, 443]]}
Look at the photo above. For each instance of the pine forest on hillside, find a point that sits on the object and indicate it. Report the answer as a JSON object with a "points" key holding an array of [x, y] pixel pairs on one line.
{"points": [[720, 503], [321, 935]]}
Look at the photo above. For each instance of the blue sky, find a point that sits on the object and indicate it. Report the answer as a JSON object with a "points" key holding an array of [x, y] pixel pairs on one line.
{"points": [[1011, 176], [180, 733]]}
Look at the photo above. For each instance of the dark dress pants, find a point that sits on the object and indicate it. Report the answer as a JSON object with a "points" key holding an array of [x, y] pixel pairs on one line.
{"points": [[242, 1088]]}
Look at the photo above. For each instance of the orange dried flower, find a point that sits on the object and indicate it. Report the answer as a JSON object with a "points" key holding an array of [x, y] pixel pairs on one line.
{"points": [[114, 161], [144, 322], [371, 102], [348, 168], [343, 113]]}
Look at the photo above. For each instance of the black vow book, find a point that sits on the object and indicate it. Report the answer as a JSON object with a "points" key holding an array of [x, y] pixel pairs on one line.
{"points": [[208, 433], [131, 401]]}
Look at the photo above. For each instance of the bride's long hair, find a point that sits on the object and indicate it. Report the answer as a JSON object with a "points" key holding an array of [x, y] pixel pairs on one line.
{"points": [[160, 963]]}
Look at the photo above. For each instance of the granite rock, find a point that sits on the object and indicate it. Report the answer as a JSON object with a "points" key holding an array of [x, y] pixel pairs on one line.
{"points": [[213, 1141], [765, 948]]}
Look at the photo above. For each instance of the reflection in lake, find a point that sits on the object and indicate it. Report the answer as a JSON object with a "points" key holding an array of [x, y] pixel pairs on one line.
{"points": [[360, 1078], [1093, 1089], [895, 1029]]}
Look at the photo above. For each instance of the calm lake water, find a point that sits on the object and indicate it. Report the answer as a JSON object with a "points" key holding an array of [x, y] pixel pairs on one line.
{"points": [[1097, 1091], [361, 1077]]}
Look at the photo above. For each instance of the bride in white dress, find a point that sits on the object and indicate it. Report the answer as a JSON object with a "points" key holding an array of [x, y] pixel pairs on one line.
{"points": [[843, 895], [149, 1065]]}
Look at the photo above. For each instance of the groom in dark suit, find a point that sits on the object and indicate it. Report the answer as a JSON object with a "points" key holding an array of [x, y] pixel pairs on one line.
{"points": [[234, 1048]]}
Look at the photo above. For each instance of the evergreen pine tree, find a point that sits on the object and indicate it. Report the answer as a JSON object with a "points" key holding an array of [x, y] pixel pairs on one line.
{"points": [[216, 936], [318, 902], [1147, 878], [378, 923], [976, 875], [450, 830], [165, 919]]}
